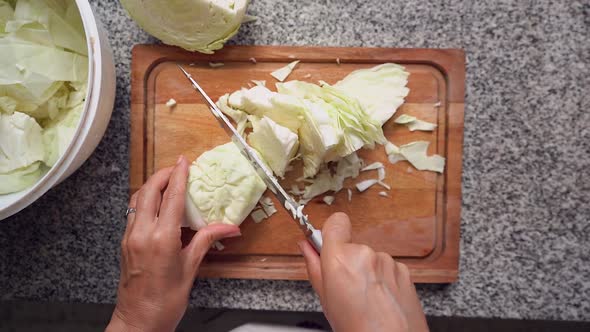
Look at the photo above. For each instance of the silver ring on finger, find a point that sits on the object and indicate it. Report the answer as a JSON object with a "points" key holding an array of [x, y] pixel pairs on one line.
{"points": [[130, 211]]}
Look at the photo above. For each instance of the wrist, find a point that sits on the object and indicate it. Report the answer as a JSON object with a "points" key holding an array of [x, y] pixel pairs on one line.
{"points": [[121, 323]]}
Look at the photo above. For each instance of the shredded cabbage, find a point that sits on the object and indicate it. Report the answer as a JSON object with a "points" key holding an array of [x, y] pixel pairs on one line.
{"points": [[414, 123], [260, 101], [282, 73], [415, 153]]}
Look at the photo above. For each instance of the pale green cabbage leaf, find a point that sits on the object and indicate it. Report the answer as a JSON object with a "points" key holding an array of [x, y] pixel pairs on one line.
{"points": [[414, 123], [380, 89], [21, 142], [276, 144], [20, 179], [282, 73], [359, 130]]}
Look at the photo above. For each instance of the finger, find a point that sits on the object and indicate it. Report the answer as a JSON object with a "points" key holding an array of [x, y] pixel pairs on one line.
{"points": [[337, 229], [402, 274], [387, 267], [172, 210], [205, 238], [150, 196], [314, 267], [131, 216], [130, 222]]}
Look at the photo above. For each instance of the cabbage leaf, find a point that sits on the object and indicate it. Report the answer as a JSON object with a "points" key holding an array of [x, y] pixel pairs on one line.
{"points": [[380, 90], [276, 144]]}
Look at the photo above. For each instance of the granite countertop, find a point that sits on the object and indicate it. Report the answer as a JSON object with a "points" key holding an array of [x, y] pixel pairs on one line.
{"points": [[525, 247]]}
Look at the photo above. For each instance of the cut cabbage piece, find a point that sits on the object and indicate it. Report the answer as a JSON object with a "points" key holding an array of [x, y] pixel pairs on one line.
{"points": [[42, 65], [393, 153], [349, 194], [349, 166], [395, 157], [276, 144], [415, 153], [195, 25], [414, 124], [366, 184], [59, 132], [380, 90], [171, 103], [20, 179], [322, 183], [216, 64], [268, 206], [391, 148], [324, 119], [384, 185], [260, 101], [290, 112], [359, 129], [259, 82], [328, 200], [21, 142], [56, 24], [282, 73], [381, 173], [222, 187], [239, 117], [258, 215], [325, 181], [295, 190], [376, 165], [218, 245], [383, 194]]}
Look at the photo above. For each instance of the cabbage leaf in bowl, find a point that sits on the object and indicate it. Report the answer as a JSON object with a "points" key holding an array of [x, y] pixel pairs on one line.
{"points": [[43, 83]]}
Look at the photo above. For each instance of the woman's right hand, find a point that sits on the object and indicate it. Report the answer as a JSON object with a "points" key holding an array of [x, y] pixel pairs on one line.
{"points": [[360, 289]]}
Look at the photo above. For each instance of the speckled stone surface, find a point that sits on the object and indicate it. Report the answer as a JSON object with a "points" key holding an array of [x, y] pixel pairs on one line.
{"points": [[525, 249]]}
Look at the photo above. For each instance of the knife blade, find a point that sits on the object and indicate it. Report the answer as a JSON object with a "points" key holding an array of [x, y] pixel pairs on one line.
{"points": [[296, 210]]}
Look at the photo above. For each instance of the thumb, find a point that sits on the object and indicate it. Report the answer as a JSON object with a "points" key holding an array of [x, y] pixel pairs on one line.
{"points": [[337, 230], [204, 239], [314, 267]]}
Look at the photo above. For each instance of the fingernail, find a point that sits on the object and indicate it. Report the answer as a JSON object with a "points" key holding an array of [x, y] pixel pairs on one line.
{"points": [[180, 158]]}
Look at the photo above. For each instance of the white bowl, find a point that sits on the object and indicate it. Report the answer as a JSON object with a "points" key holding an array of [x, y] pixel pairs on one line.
{"points": [[93, 122]]}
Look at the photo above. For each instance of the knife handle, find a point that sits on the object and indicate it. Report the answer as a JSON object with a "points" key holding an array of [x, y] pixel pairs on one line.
{"points": [[315, 238]]}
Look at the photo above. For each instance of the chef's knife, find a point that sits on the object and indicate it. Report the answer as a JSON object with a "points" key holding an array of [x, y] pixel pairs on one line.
{"points": [[296, 210]]}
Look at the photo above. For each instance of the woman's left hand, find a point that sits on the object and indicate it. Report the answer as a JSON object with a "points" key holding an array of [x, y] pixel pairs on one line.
{"points": [[157, 273]]}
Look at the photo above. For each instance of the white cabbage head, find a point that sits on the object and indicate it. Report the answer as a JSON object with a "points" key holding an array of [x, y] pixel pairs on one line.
{"points": [[195, 25], [222, 188]]}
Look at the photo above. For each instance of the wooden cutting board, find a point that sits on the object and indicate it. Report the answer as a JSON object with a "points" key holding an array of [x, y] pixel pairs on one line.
{"points": [[418, 223]]}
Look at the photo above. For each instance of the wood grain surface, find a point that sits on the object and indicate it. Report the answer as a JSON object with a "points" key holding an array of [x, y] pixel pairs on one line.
{"points": [[418, 223]]}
